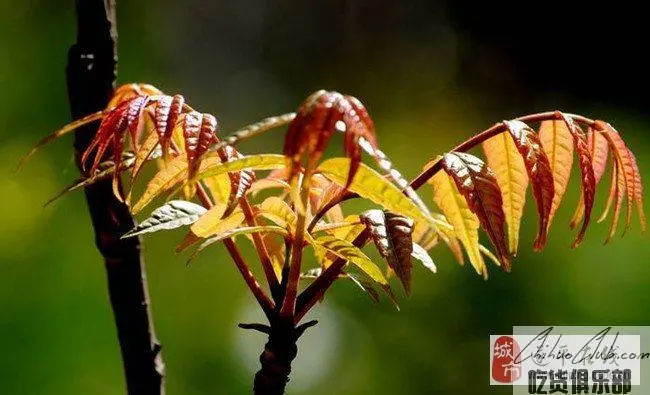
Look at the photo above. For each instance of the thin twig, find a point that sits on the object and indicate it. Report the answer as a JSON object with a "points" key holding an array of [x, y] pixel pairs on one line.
{"points": [[262, 252]]}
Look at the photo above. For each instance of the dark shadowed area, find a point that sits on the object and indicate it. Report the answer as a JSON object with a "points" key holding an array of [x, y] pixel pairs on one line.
{"points": [[431, 74]]}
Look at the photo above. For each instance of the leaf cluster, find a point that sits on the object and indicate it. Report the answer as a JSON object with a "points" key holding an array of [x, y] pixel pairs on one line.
{"points": [[304, 211]]}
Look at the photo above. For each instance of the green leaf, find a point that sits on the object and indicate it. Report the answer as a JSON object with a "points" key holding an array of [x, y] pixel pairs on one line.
{"points": [[371, 185], [211, 223], [252, 162], [172, 215], [176, 171], [278, 211], [346, 250]]}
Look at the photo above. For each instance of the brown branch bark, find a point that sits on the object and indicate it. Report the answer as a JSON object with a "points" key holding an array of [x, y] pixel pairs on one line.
{"points": [[91, 73], [279, 351]]}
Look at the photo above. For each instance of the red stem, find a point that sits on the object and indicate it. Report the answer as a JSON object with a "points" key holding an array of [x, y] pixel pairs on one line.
{"points": [[264, 301], [291, 290], [262, 252]]}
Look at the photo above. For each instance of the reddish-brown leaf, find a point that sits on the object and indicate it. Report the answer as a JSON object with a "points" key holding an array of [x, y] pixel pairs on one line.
{"points": [[621, 190], [191, 135], [539, 173], [168, 109], [478, 185], [311, 129], [112, 124], [208, 134], [626, 171], [317, 119], [199, 131], [598, 150], [240, 181], [126, 116], [358, 127], [134, 118], [392, 235], [587, 176], [638, 191]]}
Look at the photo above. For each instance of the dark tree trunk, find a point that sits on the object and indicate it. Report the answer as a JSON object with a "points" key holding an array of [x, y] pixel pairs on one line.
{"points": [[91, 73], [279, 351], [276, 359]]}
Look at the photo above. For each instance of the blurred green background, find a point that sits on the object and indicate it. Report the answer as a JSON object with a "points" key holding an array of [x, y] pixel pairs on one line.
{"points": [[432, 73]]}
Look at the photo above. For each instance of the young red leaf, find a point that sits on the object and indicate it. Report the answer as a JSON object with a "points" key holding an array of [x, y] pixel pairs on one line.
{"points": [[317, 119], [126, 116], [358, 128], [586, 174], [167, 111], [240, 182], [638, 191], [112, 124], [132, 122], [392, 236], [311, 129], [598, 150], [478, 185], [134, 118], [626, 172], [192, 134], [539, 173], [618, 202]]}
